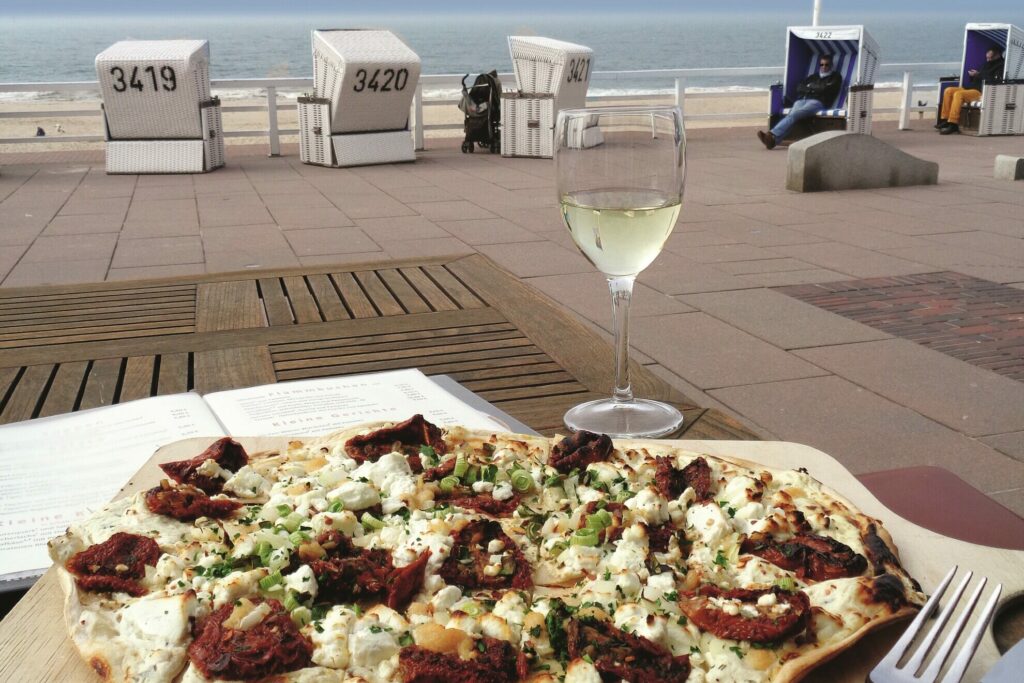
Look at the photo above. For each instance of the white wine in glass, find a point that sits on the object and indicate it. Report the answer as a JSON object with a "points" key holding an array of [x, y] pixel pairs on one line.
{"points": [[620, 174]]}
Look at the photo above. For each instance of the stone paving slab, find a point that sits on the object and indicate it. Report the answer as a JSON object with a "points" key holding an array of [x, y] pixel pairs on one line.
{"points": [[966, 398], [869, 433], [781, 320]]}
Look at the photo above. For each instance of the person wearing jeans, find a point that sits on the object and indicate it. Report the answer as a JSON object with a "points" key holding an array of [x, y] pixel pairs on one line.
{"points": [[818, 88]]}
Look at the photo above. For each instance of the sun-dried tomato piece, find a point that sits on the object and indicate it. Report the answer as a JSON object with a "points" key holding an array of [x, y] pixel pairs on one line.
{"points": [[788, 616], [226, 452], [273, 646], [617, 654], [496, 661], [441, 471], [405, 582], [187, 503], [579, 450], [466, 564], [111, 565], [812, 557], [404, 437], [487, 504], [349, 573]]}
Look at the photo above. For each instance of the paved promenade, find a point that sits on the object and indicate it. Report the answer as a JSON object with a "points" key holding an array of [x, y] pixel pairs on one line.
{"points": [[885, 327]]}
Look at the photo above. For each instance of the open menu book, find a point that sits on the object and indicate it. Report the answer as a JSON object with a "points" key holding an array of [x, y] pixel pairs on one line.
{"points": [[58, 469]]}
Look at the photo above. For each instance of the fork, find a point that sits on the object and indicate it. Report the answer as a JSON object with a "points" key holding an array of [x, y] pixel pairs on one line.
{"points": [[889, 671]]}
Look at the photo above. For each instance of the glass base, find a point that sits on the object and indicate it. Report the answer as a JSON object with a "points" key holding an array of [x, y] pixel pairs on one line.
{"points": [[636, 419]]}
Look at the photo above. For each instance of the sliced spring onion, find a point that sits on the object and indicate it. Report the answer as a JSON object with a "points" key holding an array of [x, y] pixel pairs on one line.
{"points": [[461, 465], [447, 484], [553, 480], [301, 616], [557, 548], [284, 510], [291, 601], [271, 580], [299, 537], [428, 451], [470, 608], [263, 550], [599, 520], [584, 536], [292, 521], [489, 473], [786, 583], [371, 522], [472, 474], [522, 481], [336, 506], [623, 496]]}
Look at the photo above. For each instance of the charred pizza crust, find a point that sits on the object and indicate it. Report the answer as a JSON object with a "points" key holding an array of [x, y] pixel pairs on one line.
{"points": [[397, 552]]}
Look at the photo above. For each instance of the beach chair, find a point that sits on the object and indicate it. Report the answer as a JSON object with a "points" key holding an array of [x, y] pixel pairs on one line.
{"points": [[363, 86], [158, 113], [1000, 111], [855, 58], [551, 75]]}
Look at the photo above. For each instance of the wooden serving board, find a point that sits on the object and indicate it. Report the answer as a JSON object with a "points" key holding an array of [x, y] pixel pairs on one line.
{"points": [[34, 645]]}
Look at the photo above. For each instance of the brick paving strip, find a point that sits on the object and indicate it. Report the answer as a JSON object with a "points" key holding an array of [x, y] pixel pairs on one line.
{"points": [[971, 319]]}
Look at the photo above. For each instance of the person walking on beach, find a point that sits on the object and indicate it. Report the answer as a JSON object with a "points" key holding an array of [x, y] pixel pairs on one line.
{"points": [[954, 98], [814, 91]]}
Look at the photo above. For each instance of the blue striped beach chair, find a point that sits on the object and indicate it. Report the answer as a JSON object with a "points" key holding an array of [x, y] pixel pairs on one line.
{"points": [[1000, 111], [855, 56]]}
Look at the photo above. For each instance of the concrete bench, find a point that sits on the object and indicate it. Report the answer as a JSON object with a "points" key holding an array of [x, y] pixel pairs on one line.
{"points": [[838, 160], [1008, 167]]}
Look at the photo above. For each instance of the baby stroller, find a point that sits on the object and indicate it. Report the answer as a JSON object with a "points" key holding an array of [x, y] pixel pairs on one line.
{"points": [[482, 106]]}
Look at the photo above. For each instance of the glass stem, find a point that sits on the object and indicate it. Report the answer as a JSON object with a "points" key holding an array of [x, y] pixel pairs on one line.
{"points": [[622, 293]]}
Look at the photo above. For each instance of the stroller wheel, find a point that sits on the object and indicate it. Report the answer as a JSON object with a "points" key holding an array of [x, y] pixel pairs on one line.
{"points": [[467, 147]]}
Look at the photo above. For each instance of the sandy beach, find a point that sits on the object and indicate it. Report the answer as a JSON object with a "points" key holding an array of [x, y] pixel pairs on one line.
{"points": [[47, 115]]}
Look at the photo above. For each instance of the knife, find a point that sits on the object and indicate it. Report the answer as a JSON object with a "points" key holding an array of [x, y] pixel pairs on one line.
{"points": [[1009, 667]]}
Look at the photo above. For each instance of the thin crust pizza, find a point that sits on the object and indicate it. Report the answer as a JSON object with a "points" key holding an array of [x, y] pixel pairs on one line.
{"points": [[404, 552]]}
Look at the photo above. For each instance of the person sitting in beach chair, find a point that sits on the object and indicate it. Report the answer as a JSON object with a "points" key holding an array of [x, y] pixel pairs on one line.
{"points": [[954, 97], [814, 91]]}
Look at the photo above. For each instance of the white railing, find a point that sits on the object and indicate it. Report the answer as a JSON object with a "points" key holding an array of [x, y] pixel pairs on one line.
{"points": [[272, 86]]}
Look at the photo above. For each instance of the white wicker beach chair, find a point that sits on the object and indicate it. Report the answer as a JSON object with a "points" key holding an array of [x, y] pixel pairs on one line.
{"points": [[1000, 111], [855, 55], [551, 75], [158, 113], [364, 82]]}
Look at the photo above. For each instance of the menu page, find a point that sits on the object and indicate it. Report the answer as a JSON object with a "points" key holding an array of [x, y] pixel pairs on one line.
{"points": [[54, 471], [321, 406]]}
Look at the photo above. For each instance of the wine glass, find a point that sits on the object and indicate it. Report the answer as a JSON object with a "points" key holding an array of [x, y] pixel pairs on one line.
{"points": [[620, 174]]}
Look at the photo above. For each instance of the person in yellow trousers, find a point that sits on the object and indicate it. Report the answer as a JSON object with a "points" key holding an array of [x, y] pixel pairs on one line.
{"points": [[954, 98]]}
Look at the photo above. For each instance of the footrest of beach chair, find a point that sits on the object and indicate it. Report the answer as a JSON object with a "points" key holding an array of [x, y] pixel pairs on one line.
{"points": [[362, 149], [156, 156]]}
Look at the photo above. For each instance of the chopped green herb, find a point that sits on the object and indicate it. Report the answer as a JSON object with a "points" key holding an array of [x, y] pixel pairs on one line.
{"points": [[720, 559], [405, 639], [737, 651]]}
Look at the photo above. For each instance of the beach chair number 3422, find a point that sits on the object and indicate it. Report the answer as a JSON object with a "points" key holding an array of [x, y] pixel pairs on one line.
{"points": [[393, 80], [168, 79]]}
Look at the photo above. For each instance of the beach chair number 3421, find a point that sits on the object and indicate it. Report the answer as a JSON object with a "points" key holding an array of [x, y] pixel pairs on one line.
{"points": [[393, 80], [579, 70], [168, 79]]}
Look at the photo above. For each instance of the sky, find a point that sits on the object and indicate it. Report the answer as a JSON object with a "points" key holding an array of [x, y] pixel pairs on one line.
{"points": [[991, 8]]}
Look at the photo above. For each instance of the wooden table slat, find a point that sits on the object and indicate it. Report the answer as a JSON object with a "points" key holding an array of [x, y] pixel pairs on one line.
{"points": [[138, 378], [77, 311], [275, 302], [327, 297], [173, 377], [233, 369], [353, 296], [101, 383], [417, 342], [514, 346], [532, 379], [85, 293], [506, 367], [228, 306], [429, 290], [382, 298], [65, 388], [406, 294], [28, 393], [303, 304], [453, 288], [88, 324], [111, 335], [330, 342]]}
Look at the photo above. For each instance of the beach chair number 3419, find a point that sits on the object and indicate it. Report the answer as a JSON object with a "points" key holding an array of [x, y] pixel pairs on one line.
{"points": [[393, 80], [168, 79]]}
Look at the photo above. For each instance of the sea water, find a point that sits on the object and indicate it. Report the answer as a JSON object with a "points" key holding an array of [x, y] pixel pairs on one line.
{"points": [[44, 48]]}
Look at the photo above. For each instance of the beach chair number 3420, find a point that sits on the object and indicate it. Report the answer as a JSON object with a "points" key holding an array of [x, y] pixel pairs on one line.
{"points": [[393, 80], [168, 79]]}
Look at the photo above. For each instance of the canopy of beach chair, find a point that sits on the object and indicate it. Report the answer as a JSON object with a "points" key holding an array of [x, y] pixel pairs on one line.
{"points": [[980, 38], [853, 50]]}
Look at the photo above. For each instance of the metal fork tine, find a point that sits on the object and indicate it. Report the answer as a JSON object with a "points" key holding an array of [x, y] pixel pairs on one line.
{"points": [[899, 649], [936, 630], [932, 672], [959, 666]]}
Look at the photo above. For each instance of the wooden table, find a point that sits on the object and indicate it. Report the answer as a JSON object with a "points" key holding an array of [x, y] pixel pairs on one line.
{"points": [[70, 348]]}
